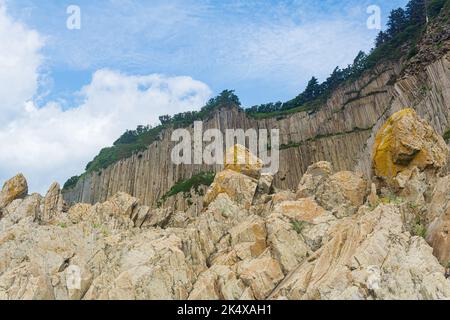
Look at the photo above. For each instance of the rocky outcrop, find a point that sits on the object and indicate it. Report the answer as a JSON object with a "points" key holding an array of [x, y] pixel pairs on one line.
{"points": [[368, 256], [13, 189], [53, 203], [405, 142], [337, 237], [342, 132]]}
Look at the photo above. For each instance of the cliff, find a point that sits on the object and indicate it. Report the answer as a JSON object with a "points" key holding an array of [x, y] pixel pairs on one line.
{"points": [[341, 132], [339, 236]]}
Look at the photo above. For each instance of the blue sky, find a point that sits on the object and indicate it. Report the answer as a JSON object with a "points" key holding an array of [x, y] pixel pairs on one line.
{"points": [[254, 47], [65, 94]]}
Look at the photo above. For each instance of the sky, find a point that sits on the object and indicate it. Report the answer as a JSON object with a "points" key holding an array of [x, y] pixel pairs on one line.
{"points": [[65, 94]]}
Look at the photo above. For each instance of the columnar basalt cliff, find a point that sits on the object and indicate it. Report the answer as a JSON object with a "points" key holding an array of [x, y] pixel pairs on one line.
{"points": [[338, 236], [341, 132]]}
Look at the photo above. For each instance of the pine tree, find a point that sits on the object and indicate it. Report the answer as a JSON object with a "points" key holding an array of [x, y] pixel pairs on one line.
{"points": [[359, 64], [382, 38], [397, 22], [416, 11], [312, 90]]}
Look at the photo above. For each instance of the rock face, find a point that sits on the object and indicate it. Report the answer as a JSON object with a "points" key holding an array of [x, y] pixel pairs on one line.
{"points": [[53, 203], [405, 142], [335, 238], [13, 189], [342, 133]]}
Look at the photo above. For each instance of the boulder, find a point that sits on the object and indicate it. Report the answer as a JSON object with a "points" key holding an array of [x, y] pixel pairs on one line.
{"points": [[404, 142], [261, 275], [240, 159], [438, 231], [313, 177], [13, 189], [368, 256], [240, 188], [53, 203], [342, 193]]}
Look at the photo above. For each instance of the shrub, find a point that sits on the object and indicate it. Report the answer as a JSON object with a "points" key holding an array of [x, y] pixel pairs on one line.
{"points": [[185, 186]]}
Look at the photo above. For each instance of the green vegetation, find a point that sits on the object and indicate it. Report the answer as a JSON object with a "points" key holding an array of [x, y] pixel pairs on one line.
{"points": [[71, 183], [446, 136], [226, 99], [298, 226], [135, 141], [320, 136], [391, 198], [405, 28], [419, 229], [131, 142], [185, 186]]}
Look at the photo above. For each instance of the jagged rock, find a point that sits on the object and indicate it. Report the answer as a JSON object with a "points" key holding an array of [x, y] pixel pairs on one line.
{"points": [[342, 193], [261, 275], [305, 209], [241, 160], [404, 142], [438, 232], [373, 198], [321, 243], [19, 209], [265, 183], [79, 212], [287, 245], [53, 203], [240, 188], [218, 283], [249, 238], [283, 196], [139, 215], [13, 189], [363, 243], [315, 174]]}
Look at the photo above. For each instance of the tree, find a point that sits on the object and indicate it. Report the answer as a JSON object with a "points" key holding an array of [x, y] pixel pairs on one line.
{"points": [[397, 22], [312, 90], [359, 64], [416, 12], [381, 39], [165, 119]]}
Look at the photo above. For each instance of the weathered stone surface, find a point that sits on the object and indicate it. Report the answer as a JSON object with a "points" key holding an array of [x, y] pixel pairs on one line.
{"points": [[321, 243], [438, 232], [53, 203], [13, 189], [305, 209], [404, 142], [360, 245], [237, 186], [240, 159], [341, 132], [314, 175], [261, 275], [342, 193]]}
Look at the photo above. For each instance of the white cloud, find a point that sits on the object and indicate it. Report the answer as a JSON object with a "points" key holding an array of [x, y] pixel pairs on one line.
{"points": [[19, 64], [50, 144]]}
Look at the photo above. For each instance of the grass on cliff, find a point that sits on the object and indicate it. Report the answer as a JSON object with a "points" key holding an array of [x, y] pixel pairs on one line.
{"points": [[135, 141], [446, 136], [185, 186]]}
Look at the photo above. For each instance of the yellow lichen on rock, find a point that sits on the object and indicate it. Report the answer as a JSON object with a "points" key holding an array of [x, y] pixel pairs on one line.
{"points": [[406, 141], [240, 159], [14, 188]]}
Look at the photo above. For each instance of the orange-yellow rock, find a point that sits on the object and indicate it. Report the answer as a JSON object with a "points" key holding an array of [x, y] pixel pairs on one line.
{"points": [[240, 188], [240, 159], [406, 141], [13, 189]]}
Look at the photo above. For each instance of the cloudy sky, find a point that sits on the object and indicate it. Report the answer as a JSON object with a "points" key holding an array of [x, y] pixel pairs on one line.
{"points": [[65, 94]]}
